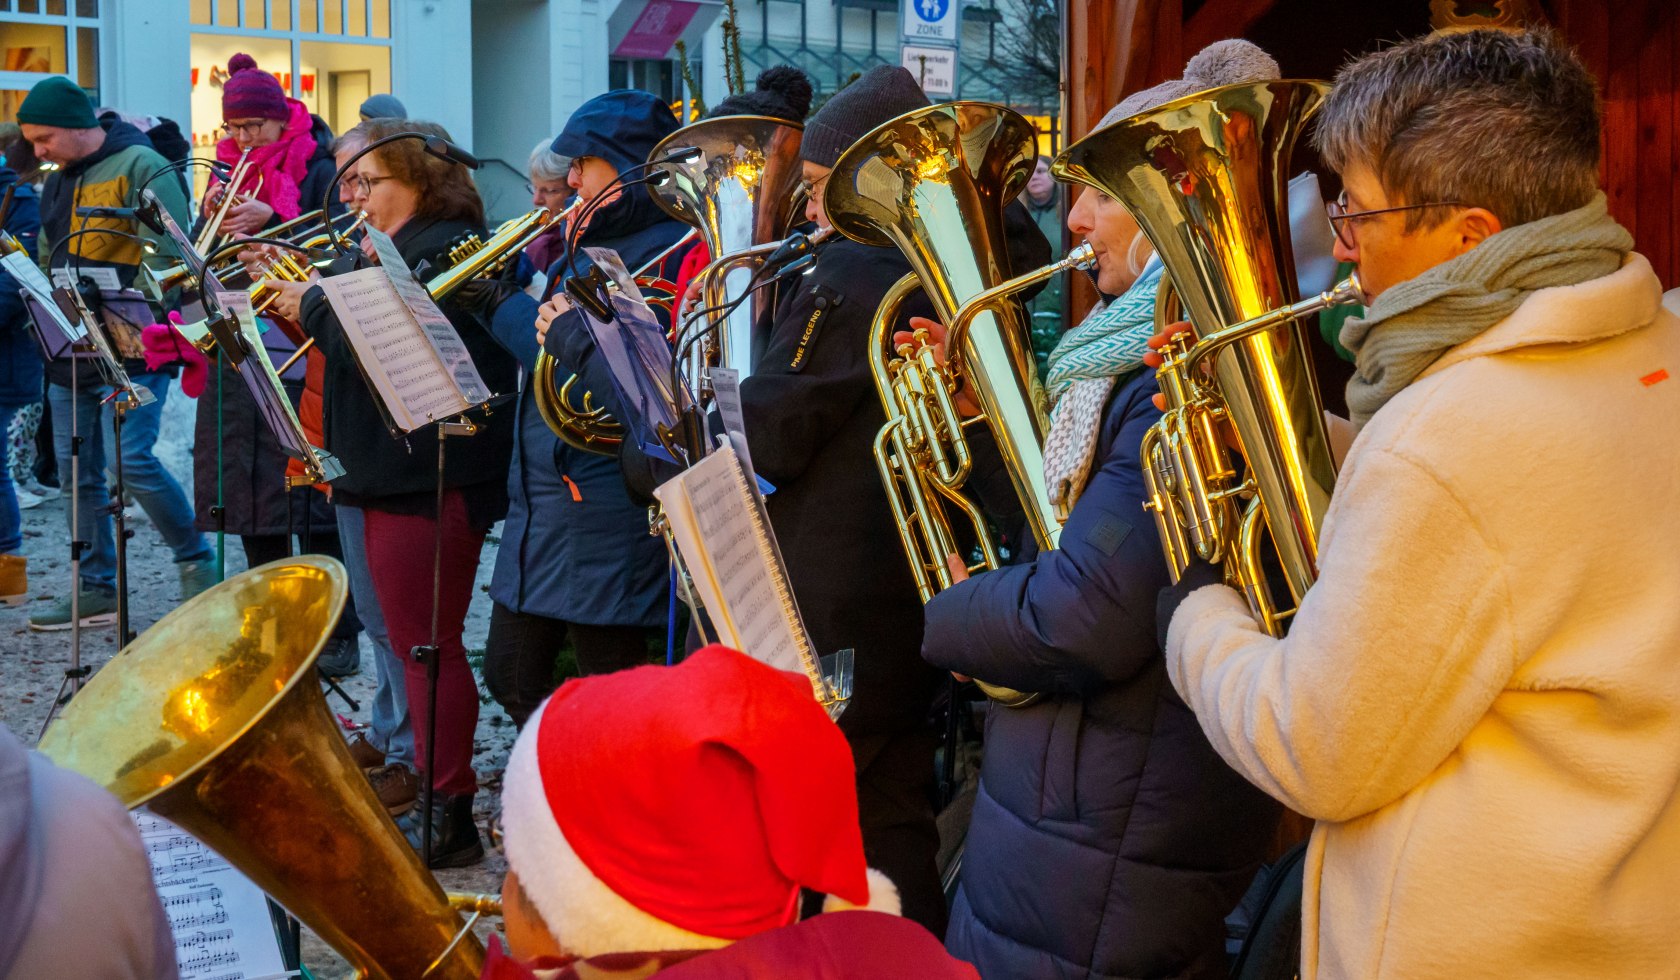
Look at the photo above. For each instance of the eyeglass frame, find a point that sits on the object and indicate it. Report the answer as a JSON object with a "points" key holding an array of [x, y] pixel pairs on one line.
{"points": [[251, 129], [366, 184], [1340, 217], [809, 187]]}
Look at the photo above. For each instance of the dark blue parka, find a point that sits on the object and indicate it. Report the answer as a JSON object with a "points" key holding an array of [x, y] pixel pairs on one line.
{"points": [[20, 356], [575, 546], [1108, 839]]}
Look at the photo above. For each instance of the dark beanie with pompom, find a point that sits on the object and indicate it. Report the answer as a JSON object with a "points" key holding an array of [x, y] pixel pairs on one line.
{"points": [[251, 93], [881, 93], [782, 91]]}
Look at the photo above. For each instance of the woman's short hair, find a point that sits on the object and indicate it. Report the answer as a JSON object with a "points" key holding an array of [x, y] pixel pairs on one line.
{"points": [[546, 164], [1506, 121], [445, 188]]}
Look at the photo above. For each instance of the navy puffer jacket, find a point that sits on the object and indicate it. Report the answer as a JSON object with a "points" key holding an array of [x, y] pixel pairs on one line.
{"points": [[1108, 839]]}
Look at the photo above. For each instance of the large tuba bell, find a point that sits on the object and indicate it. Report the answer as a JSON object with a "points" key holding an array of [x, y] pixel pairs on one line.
{"points": [[738, 190], [1206, 177], [934, 182], [213, 719]]}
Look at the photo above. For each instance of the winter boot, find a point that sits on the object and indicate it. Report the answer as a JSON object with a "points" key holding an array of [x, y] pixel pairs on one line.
{"points": [[455, 842]]}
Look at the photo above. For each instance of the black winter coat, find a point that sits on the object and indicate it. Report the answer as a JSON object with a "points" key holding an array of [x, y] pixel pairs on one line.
{"points": [[385, 472], [1108, 839], [20, 355]]}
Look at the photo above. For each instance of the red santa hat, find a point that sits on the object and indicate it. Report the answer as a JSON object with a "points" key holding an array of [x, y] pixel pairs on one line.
{"points": [[684, 807]]}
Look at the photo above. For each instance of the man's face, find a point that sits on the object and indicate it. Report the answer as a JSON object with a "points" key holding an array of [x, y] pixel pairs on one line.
{"points": [[815, 179], [349, 189], [1109, 228], [588, 176], [55, 144], [550, 194], [1384, 251], [1041, 185]]}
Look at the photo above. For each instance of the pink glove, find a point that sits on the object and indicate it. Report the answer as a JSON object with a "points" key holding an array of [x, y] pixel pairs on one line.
{"points": [[163, 344]]}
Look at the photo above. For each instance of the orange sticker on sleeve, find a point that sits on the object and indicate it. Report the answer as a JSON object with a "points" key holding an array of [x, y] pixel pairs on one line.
{"points": [[1660, 374]]}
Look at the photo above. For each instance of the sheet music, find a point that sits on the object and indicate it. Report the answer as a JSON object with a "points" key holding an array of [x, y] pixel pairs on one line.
{"points": [[33, 281], [218, 916], [262, 381], [103, 277], [406, 370], [725, 543], [450, 350]]}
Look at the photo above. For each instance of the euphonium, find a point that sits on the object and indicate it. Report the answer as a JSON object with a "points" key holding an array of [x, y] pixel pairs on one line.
{"points": [[934, 182], [575, 419], [1206, 178], [213, 719], [738, 190]]}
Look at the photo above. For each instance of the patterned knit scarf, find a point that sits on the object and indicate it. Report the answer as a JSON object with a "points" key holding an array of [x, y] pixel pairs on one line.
{"points": [[1413, 323], [1084, 368]]}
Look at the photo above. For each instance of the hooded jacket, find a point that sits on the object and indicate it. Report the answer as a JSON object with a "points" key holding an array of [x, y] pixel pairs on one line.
{"points": [[1479, 699], [575, 546], [109, 177]]}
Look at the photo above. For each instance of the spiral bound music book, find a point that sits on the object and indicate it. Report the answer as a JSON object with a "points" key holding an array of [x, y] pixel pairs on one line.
{"points": [[717, 520]]}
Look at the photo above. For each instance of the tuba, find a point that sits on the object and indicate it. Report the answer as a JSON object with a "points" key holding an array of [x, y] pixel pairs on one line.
{"points": [[934, 182], [1206, 177], [213, 719], [738, 191]]}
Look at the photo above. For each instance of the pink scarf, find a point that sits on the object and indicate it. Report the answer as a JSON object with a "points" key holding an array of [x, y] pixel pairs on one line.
{"points": [[282, 163]]}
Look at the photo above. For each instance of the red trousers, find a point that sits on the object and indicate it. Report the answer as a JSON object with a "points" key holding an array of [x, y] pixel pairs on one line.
{"points": [[399, 553]]}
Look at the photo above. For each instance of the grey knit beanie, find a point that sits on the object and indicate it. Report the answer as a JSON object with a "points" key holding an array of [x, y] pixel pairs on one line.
{"points": [[881, 93], [1230, 62]]}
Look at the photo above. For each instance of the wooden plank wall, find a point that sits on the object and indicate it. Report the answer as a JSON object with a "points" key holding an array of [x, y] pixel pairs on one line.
{"points": [[1633, 48]]}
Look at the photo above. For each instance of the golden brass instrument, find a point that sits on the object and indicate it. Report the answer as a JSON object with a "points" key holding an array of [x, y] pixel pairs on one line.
{"points": [[210, 236], [738, 190], [301, 230], [583, 424], [213, 719], [472, 259], [1206, 177], [934, 182]]}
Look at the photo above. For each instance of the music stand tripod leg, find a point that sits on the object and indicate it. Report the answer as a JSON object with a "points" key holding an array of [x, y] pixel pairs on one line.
{"points": [[75, 673], [120, 405]]}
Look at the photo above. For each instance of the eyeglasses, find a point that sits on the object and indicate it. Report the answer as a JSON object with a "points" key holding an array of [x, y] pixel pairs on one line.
{"points": [[251, 129], [1343, 220], [367, 184], [810, 187]]}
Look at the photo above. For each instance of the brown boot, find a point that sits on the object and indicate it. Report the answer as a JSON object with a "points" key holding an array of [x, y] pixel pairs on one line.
{"points": [[397, 787], [367, 756], [14, 580]]}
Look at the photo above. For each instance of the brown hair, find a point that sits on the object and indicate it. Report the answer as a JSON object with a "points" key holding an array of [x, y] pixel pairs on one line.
{"points": [[445, 188]]}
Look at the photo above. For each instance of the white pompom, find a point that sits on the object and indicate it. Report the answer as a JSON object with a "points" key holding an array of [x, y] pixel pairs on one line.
{"points": [[883, 897]]}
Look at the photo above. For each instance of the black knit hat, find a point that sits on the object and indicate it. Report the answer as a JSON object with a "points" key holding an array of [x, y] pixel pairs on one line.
{"points": [[782, 91], [882, 93]]}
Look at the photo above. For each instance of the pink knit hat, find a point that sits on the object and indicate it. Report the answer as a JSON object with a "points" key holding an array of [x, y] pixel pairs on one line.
{"points": [[250, 93]]}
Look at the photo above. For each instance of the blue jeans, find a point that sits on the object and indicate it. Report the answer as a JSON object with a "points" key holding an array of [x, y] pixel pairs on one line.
{"points": [[144, 475], [392, 730], [11, 520]]}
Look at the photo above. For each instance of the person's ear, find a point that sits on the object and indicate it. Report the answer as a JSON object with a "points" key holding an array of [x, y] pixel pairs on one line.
{"points": [[1475, 226]]}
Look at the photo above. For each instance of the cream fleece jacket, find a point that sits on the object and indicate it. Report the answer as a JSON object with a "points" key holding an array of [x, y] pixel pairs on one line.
{"points": [[1479, 700]]}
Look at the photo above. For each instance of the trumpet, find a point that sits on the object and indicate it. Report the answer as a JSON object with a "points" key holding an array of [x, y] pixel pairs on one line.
{"points": [[934, 182], [1205, 178], [209, 237], [301, 230]]}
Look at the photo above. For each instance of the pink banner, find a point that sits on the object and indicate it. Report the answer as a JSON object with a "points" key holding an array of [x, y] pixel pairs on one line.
{"points": [[657, 28]]}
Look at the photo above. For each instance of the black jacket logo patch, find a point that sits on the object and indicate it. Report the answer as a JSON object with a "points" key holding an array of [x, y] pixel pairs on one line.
{"points": [[1108, 534], [827, 299]]}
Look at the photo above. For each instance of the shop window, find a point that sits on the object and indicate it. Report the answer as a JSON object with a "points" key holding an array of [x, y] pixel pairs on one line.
{"points": [[355, 18], [333, 17], [33, 47], [198, 12], [381, 17], [227, 13], [87, 57], [87, 8], [309, 17]]}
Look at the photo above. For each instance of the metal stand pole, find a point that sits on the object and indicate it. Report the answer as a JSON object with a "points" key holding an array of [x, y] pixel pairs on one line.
{"points": [[120, 404], [428, 654], [75, 673]]}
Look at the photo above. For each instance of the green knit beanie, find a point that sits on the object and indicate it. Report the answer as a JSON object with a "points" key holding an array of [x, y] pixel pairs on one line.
{"points": [[57, 101]]}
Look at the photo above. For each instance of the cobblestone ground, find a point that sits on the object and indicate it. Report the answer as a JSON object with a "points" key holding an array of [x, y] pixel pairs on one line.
{"points": [[32, 665]]}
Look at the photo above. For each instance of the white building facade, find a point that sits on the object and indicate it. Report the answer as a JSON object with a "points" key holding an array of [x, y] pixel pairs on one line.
{"points": [[498, 74]]}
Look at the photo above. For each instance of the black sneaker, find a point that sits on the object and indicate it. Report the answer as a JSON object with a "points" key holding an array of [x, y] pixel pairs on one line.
{"points": [[340, 657], [455, 841]]}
